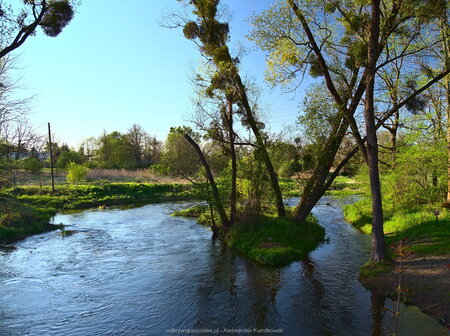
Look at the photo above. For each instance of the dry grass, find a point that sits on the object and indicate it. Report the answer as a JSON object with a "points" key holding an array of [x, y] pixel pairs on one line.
{"points": [[142, 175], [23, 178]]}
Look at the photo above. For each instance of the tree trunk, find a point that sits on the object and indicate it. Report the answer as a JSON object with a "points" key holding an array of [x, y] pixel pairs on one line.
{"points": [[447, 93], [316, 185], [378, 252], [231, 135], [217, 201], [448, 139], [262, 147]]}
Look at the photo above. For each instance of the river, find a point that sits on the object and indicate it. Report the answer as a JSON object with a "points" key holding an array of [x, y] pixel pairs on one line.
{"points": [[140, 271]]}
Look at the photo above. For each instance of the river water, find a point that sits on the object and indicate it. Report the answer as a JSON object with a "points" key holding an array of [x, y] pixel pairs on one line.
{"points": [[140, 271]]}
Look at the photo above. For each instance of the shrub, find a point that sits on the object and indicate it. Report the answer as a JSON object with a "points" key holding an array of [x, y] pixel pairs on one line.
{"points": [[76, 172], [31, 164]]}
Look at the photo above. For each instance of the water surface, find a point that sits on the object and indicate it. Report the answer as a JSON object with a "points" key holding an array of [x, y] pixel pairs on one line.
{"points": [[140, 271]]}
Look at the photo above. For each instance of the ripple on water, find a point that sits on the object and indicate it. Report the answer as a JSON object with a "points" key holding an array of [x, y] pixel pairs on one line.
{"points": [[139, 272]]}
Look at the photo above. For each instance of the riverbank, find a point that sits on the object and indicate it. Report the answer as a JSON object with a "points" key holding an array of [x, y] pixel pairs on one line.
{"points": [[25, 211], [18, 221], [426, 272]]}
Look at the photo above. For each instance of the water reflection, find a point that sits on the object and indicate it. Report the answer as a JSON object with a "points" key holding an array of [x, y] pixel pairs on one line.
{"points": [[377, 304], [140, 272]]}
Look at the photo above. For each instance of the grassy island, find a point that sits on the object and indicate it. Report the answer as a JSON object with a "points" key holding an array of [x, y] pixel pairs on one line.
{"points": [[269, 241]]}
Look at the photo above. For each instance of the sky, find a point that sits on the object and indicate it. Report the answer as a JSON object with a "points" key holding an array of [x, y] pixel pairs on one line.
{"points": [[115, 65]]}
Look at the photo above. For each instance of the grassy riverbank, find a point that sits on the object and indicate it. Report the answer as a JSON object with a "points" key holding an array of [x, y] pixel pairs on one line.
{"points": [[270, 241], [18, 220], [425, 235], [27, 210], [425, 269], [89, 196]]}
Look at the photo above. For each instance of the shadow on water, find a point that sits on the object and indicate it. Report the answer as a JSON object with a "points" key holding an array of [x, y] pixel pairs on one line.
{"points": [[142, 272]]}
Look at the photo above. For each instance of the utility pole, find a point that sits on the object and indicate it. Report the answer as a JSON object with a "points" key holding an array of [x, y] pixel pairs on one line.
{"points": [[51, 157]]}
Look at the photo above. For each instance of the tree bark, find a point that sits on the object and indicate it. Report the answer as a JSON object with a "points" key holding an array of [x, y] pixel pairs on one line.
{"points": [[262, 147], [215, 191], [378, 252], [231, 135], [316, 185], [444, 29], [25, 32]]}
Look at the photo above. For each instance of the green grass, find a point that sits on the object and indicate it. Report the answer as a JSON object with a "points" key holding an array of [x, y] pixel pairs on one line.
{"points": [[88, 196], [192, 212], [343, 186], [370, 270], [358, 214], [289, 187], [18, 221], [418, 226], [276, 241]]}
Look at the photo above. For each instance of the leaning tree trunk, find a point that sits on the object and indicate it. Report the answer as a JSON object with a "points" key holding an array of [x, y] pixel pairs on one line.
{"points": [[316, 185], [231, 135], [262, 147], [378, 252], [215, 191]]}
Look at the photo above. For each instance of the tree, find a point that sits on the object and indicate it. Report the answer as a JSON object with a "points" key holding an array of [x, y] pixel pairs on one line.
{"points": [[20, 22], [213, 37], [179, 156], [115, 151], [90, 148], [346, 44], [215, 191], [136, 137], [32, 164], [67, 157]]}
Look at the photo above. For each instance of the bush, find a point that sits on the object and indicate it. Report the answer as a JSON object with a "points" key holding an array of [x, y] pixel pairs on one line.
{"points": [[31, 164], [76, 172]]}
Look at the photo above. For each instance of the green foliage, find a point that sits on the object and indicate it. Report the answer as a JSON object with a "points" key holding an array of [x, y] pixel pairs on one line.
{"points": [[276, 241], [254, 187], [115, 151], [179, 157], [319, 114], [160, 169], [75, 173], [59, 13], [31, 164], [194, 211], [66, 157]]}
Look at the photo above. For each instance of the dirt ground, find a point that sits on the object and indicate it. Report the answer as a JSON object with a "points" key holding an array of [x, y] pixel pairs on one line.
{"points": [[427, 282]]}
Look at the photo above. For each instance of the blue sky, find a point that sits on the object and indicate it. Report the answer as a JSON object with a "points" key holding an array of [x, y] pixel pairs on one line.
{"points": [[115, 65]]}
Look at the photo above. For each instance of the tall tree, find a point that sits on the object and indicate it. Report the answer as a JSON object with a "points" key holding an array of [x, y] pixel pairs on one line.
{"points": [[136, 137], [345, 43], [213, 37]]}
